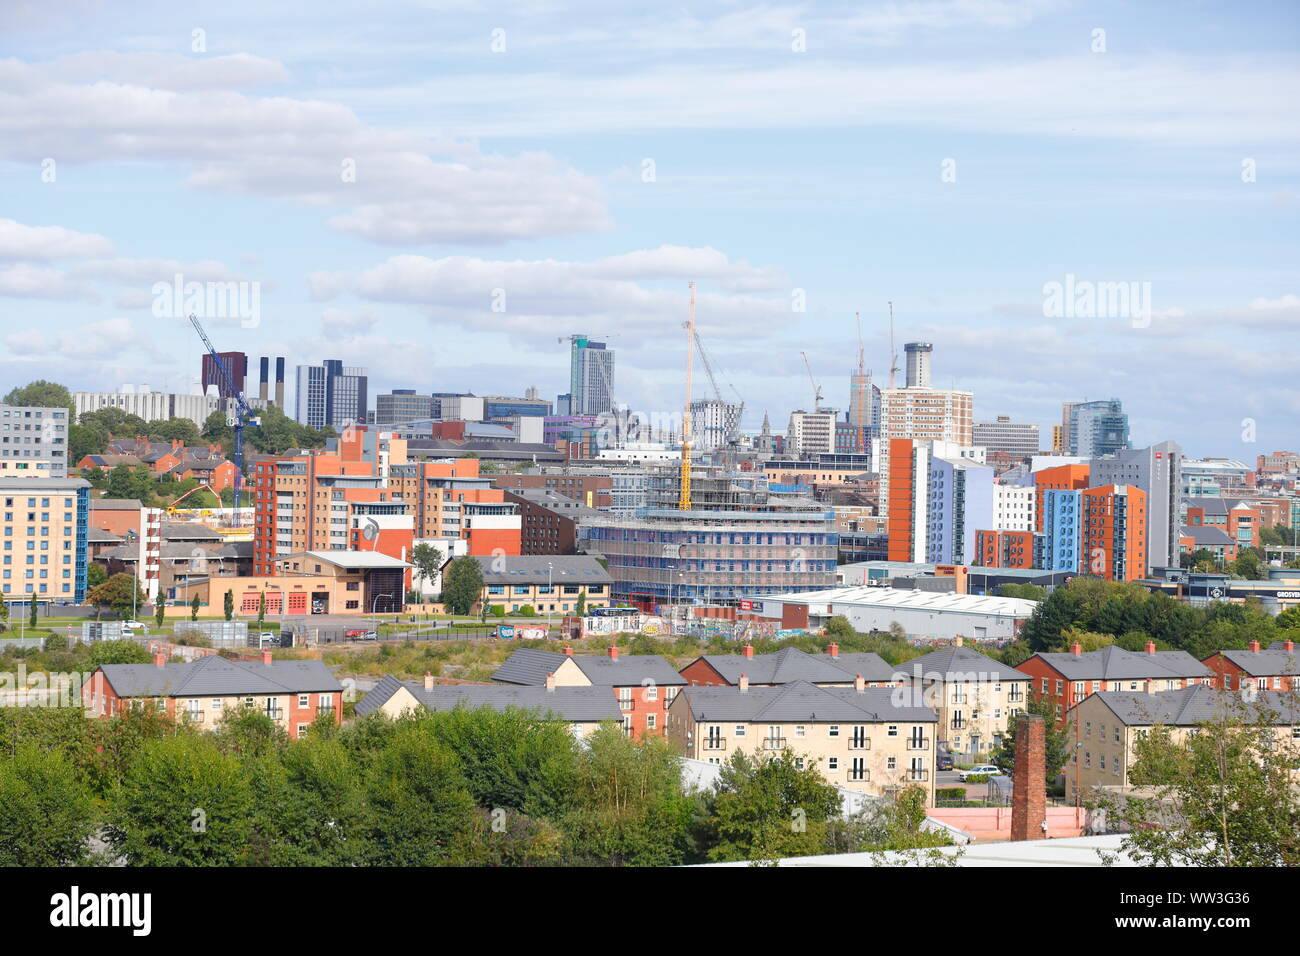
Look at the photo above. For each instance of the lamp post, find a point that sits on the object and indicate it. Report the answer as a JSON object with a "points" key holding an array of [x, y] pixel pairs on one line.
{"points": [[374, 603], [550, 593]]}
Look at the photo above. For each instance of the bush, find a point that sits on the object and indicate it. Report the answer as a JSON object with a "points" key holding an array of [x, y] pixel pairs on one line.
{"points": [[978, 778], [950, 793], [497, 610], [527, 611]]}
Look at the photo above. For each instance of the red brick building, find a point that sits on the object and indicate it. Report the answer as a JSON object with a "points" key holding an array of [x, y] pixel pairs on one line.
{"points": [[1276, 668]]}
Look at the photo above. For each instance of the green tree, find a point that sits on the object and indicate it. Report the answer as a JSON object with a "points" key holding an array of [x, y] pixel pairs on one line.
{"points": [[181, 803], [1058, 745], [42, 394], [1219, 797], [95, 575], [84, 440], [891, 825], [46, 811], [159, 610], [462, 585], [582, 603], [427, 560], [122, 651], [228, 605], [32, 603], [419, 804], [120, 593], [1249, 564], [261, 609], [629, 805], [194, 608], [765, 807], [173, 429]]}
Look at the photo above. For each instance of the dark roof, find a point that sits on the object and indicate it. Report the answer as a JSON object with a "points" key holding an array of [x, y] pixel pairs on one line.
{"points": [[584, 704], [1206, 534], [801, 701], [1197, 705], [532, 569], [791, 664], [530, 667], [955, 663], [1115, 663], [99, 536], [188, 531], [216, 676], [1275, 661]]}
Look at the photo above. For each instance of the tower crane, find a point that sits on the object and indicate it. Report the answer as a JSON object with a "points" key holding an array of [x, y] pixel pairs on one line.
{"points": [[893, 352], [817, 389], [684, 492], [242, 415], [728, 433]]}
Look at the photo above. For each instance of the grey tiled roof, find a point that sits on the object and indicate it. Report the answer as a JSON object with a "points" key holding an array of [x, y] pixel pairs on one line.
{"points": [[1205, 534], [792, 664], [1115, 663], [801, 701], [216, 676], [1196, 705], [960, 663], [530, 667], [1266, 663], [584, 704]]}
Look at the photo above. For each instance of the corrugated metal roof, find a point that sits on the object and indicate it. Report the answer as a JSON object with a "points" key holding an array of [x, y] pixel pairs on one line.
{"points": [[938, 601]]}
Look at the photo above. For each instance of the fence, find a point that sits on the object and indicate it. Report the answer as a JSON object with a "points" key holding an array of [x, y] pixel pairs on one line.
{"points": [[21, 643]]}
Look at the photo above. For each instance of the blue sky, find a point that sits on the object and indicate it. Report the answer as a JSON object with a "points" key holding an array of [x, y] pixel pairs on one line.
{"points": [[776, 169]]}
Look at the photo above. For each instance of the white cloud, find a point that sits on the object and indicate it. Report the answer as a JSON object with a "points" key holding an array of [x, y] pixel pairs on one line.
{"points": [[344, 323], [24, 281], [393, 187], [98, 339], [19, 241]]}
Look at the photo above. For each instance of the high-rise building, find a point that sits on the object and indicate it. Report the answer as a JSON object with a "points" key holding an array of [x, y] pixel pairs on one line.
{"points": [[1113, 529], [918, 364], [33, 442], [591, 377], [864, 401], [403, 405], [331, 394], [960, 503], [1093, 429], [1157, 471], [811, 433], [1058, 544], [1057, 478], [45, 520], [1018, 439], [1013, 507], [714, 423], [236, 364]]}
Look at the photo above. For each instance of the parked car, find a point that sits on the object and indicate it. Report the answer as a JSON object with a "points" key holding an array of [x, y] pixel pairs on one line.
{"points": [[984, 768], [943, 762], [134, 627], [357, 634]]}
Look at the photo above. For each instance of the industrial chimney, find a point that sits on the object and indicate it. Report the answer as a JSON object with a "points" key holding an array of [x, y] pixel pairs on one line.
{"points": [[1028, 780], [263, 383]]}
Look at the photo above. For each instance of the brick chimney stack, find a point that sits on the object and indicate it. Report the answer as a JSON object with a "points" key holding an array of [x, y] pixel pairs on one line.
{"points": [[1288, 646], [749, 650], [1028, 780], [613, 652], [1151, 647], [744, 683], [568, 650], [159, 659], [266, 658], [428, 681], [1254, 647], [833, 649], [1076, 649]]}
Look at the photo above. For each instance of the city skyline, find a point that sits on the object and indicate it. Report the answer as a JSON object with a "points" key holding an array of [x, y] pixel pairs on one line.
{"points": [[447, 244]]}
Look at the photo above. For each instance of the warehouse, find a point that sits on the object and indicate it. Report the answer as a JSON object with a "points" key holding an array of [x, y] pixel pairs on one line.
{"points": [[926, 614]]}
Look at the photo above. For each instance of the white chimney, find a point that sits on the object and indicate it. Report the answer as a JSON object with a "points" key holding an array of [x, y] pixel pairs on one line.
{"points": [[744, 683], [428, 681], [550, 682], [859, 684]]}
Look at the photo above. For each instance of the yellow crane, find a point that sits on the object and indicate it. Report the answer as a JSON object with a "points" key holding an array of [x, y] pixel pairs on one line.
{"points": [[684, 497]]}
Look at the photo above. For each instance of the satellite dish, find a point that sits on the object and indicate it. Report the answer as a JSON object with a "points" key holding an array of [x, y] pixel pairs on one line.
{"points": [[371, 531]]}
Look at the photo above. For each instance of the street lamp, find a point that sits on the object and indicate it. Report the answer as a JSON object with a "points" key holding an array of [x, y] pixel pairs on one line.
{"points": [[374, 603], [550, 593]]}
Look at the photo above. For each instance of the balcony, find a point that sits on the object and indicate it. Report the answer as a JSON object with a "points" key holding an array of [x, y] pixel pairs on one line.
{"points": [[918, 743], [918, 776], [774, 743], [715, 743], [274, 713], [196, 716], [958, 723], [859, 743]]}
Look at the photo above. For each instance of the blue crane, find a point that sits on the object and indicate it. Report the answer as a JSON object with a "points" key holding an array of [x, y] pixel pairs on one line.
{"points": [[242, 416]]}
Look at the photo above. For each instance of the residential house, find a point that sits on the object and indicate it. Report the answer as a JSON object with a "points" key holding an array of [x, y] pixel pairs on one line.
{"points": [[1069, 677], [976, 697], [643, 684], [1275, 668], [1107, 725], [292, 693], [546, 583], [787, 665], [858, 737], [584, 708]]}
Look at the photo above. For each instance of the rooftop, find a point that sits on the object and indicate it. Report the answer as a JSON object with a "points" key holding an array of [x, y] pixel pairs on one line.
{"points": [[584, 704]]}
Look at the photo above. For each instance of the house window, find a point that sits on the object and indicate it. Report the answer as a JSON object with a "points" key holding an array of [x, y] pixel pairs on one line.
{"points": [[891, 763], [800, 731], [740, 730], [304, 700], [892, 731], [650, 722], [833, 730], [832, 763]]}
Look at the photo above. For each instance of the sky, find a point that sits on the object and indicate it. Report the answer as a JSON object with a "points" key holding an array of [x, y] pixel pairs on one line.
{"points": [[443, 192]]}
